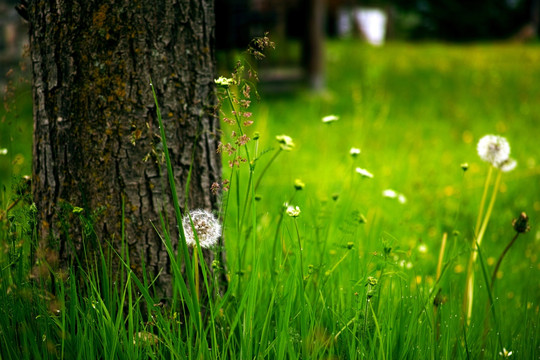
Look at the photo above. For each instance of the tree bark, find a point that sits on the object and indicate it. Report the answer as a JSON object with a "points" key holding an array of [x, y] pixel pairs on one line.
{"points": [[96, 137], [313, 43]]}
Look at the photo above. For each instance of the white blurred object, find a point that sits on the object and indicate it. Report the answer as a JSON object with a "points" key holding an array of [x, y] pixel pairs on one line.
{"points": [[373, 24]]}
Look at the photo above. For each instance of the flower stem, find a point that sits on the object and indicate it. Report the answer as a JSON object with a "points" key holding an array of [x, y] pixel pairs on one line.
{"points": [[469, 290], [499, 261], [483, 202]]}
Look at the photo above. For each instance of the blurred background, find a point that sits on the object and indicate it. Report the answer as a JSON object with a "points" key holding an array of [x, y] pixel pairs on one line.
{"points": [[414, 84]]}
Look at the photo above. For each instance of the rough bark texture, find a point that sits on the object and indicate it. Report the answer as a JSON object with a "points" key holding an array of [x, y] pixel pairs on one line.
{"points": [[96, 137]]}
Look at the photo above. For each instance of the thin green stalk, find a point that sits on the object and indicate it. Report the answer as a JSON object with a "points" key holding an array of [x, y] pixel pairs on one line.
{"points": [[469, 292], [499, 261], [378, 331], [178, 213], [483, 201], [490, 294], [267, 166], [489, 210]]}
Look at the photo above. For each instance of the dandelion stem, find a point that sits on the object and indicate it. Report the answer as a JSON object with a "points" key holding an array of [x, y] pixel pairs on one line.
{"points": [[469, 292], [488, 212], [483, 202]]}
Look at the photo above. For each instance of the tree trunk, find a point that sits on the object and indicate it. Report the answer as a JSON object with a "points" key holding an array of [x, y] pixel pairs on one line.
{"points": [[96, 137], [313, 43]]}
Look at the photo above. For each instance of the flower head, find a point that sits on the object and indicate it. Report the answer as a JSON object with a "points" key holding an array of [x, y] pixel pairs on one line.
{"points": [[285, 142], [507, 165], [3, 151], [354, 152], [293, 211], [330, 118], [521, 223], [206, 226], [223, 81], [389, 193], [505, 353], [364, 172], [493, 149]]}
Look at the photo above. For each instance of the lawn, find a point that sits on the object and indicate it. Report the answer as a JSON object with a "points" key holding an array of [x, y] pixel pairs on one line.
{"points": [[356, 274]]}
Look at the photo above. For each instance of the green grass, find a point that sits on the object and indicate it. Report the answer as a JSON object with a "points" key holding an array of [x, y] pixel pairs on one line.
{"points": [[298, 286]]}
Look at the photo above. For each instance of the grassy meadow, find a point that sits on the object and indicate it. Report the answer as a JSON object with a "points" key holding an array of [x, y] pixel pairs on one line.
{"points": [[354, 275]]}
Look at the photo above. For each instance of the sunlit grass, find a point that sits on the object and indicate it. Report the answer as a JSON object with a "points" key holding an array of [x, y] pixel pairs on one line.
{"points": [[354, 274]]}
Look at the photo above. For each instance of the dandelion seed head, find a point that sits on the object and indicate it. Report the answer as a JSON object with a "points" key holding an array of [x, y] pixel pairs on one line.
{"points": [[364, 172], [507, 165], [206, 226], [285, 142], [493, 149]]}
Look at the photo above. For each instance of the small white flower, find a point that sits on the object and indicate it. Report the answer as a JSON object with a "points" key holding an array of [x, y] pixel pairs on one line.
{"points": [[507, 165], [286, 142], [293, 211], [389, 193], [392, 194], [3, 151], [354, 152], [493, 149], [505, 353], [364, 172], [330, 118], [223, 81], [206, 226], [422, 248]]}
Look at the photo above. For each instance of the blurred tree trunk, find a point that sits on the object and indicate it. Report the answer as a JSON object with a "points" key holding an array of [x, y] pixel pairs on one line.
{"points": [[96, 137], [313, 43]]}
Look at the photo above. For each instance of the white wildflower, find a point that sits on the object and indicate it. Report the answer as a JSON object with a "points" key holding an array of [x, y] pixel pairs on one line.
{"points": [[354, 152], [392, 194], [286, 142], [505, 353], [293, 211], [389, 193], [206, 226], [493, 149], [223, 81], [364, 172], [3, 151], [330, 118]]}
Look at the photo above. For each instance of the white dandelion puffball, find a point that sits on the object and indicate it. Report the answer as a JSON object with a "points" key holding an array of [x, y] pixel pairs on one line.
{"points": [[364, 172], [206, 226], [493, 149], [507, 165]]}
